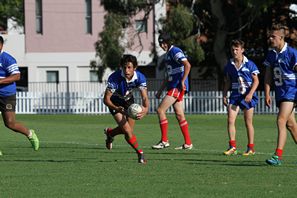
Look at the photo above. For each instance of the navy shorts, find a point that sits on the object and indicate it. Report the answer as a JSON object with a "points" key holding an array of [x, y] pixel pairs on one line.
{"points": [[239, 101], [7, 103], [122, 103]]}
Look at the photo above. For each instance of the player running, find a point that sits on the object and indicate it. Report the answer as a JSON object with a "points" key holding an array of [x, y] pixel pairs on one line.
{"points": [[178, 69], [9, 74], [118, 97]]}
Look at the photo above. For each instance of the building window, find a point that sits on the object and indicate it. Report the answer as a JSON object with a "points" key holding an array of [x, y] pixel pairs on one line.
{"points": [[141, 25], [88, 16], [94, 76], [52, 76], [38, 13]]}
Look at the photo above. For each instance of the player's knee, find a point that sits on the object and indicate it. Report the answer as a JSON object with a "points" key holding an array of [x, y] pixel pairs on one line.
{"points": [[160, 111]]}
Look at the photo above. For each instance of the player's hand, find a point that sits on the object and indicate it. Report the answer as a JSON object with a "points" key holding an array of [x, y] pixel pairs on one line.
{"points": [[158, 94], [248, 98], [142, 113], [121, 110], [225, 101], [268, 101]]}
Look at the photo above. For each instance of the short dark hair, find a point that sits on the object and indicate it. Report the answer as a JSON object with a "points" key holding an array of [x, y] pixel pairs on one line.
{"points": [[128, 58], [164, 38], [1, 40], [237, 43]]}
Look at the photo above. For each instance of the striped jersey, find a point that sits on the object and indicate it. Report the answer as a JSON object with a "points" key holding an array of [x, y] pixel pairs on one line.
{"points": [[241, 78], [175, 67], [284, 76], [122, 88], [8, 66]]}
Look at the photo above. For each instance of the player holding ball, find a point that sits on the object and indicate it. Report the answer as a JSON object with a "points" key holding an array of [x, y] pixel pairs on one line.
{"points": [[118, 97]]}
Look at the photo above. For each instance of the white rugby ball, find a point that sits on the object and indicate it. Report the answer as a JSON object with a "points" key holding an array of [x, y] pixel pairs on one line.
{"points": [[133, 110]]}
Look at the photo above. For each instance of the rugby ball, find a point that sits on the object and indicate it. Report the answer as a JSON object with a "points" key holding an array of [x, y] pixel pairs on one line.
{"points": [[133, 110]]}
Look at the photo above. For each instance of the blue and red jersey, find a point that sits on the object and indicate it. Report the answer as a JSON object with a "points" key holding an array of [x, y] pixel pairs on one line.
{"points": [[175, 68], [8, 66]]}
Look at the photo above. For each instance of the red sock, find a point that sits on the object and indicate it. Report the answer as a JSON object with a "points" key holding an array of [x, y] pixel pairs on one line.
{"points": [[164, 129], [279, 153], [250, 146], [133, 142], [232, 143], [185, 130]]}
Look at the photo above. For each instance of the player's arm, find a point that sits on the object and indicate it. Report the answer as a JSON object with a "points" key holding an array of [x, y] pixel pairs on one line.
{"points": [[187, 67], [10, 79], [254, 87], [226, 87], [145, 103], [267, 84], [107, 101], [161, 89]]}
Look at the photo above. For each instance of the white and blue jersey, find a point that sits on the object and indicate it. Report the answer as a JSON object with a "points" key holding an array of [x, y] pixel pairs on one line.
{"points": [[175, 68], [284, 76], [122, 88], [241, 80], [8, 66]]}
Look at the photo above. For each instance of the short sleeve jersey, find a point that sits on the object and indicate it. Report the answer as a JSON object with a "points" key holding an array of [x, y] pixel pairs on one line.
{"points": [[241, 78], [175, 67], [8, 66], [284, 76], [122, 88]]}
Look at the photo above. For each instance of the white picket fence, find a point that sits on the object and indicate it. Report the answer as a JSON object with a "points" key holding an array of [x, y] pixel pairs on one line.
{"points": [[200, 102]]}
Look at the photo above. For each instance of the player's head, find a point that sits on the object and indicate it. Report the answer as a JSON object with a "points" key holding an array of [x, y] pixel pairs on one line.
{"points": [[164, 41], [128, 58], [1, 42], [128, 65], [237, 48], [277, 36]]}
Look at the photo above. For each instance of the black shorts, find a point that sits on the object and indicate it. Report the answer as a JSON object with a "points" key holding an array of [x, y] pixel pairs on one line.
{"points": [[286, 100], [122, 103], [7, 103]]}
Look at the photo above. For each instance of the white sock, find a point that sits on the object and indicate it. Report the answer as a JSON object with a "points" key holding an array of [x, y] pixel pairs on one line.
{"points": [[30, 134]]}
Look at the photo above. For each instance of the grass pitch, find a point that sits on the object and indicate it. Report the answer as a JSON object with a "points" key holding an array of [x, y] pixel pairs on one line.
{"points": [[72, 160]]}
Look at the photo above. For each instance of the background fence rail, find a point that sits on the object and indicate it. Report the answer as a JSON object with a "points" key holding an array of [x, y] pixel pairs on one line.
{"points": [[199, 102]]}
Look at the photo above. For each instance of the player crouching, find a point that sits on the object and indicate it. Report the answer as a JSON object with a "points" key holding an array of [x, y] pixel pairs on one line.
{"points": [[118, 97]]}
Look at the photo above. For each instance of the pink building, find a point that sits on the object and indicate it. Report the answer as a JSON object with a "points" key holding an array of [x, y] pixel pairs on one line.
{"points": [[60, 35]]}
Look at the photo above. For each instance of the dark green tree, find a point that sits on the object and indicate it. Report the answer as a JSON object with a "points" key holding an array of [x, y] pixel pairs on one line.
{"points": [[11, 9], [109, 48]]}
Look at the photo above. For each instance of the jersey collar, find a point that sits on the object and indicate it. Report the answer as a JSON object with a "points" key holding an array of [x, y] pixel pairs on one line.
{"points": [[245, 60], [132, 79]]}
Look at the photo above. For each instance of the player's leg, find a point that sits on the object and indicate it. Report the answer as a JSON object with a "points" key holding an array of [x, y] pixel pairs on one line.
{"points": [[183, 124], [161, 111], [232, 114], [285, 111], [11, 123], [292, 126], [248, 118], [127, 126]]}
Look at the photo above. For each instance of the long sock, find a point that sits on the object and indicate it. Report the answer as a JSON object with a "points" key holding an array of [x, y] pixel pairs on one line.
{"points": [[134, 144], [164, 130], [184, 126], [232, 143], [279, 153], [251, 146]]}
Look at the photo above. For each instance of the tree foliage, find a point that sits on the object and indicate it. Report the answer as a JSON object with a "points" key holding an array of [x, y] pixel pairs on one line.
{"points": [[11, 9], [180, 23], [109, 48]]}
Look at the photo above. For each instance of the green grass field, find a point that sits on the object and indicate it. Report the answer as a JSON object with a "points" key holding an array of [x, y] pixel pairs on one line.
{"points": [[73, 162]]}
